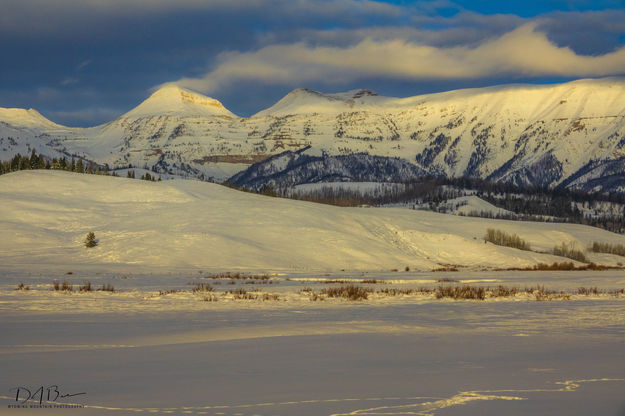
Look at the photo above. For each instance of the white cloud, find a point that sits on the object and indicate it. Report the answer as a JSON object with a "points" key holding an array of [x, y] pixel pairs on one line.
{"points": [[523, 52]]}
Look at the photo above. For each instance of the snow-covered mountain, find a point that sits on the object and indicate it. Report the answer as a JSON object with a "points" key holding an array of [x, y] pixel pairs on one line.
{"points": [[570, 134], [173, 101]]}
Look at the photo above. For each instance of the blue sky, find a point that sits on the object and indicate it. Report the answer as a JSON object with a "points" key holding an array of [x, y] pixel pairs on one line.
{"points": [[84, 62]]}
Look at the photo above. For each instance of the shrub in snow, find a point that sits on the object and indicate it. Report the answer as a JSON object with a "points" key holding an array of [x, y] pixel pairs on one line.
{"points": [[90, 241]]}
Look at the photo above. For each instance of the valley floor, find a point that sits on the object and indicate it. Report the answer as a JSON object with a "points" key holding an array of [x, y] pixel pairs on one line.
{"points": [[173, 333], [154, 347]]}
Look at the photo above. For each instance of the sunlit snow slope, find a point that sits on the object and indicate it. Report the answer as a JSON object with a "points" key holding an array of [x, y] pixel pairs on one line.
{"points": [[176, 224], [570, 134]]}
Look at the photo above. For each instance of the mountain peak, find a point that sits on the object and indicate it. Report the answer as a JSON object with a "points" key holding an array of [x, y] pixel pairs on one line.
{"points": [[354, 94], [171, 99], [26, 118], [348, 95], [304, 100], [365, 93]]}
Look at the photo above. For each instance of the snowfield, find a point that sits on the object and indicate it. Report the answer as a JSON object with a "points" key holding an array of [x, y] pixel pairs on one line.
{"points": [[189, 224], [155, 346]]}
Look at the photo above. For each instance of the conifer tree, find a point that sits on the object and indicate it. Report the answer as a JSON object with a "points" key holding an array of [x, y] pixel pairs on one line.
{"points": [[34, 160], [90, 241], [15, 162]]}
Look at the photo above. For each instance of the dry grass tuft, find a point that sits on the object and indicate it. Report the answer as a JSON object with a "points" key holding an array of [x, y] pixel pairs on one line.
{"points": [[542, 294], [399, 292], [349, 292], [461, 292], [169, 292], [587, 291], [63, 287], [256, 278], [202, 288], [107, 288], [446, 269], [242, 294], [503, 291]]}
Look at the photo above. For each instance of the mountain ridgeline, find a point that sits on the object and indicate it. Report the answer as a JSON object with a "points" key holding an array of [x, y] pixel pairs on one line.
{"points": [[568, 135]]}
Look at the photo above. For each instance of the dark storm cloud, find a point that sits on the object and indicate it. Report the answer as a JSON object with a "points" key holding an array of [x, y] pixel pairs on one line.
{"points": [[589, 33], [84, 61]]}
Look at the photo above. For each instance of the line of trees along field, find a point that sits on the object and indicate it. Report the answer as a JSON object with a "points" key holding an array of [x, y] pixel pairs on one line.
{"points": [[36, 161], [523, 203]]}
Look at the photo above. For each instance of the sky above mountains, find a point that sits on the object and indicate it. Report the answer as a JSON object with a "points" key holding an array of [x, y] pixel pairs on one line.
{"points": [[84, 62]]}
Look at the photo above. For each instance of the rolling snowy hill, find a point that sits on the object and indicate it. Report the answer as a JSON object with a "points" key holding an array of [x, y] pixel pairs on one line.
{"points": [[570, 134], [190, 224]]}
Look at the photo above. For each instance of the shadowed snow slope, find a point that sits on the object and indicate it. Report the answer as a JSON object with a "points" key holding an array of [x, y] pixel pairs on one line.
{"points": [[179, 224]]}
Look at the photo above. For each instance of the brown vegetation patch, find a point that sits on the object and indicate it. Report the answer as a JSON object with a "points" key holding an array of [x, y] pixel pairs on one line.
{"points": [[350, 292], [618, 249]]}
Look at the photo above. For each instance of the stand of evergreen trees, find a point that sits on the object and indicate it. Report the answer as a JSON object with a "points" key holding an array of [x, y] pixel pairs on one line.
{"points": [[35, 161], [145, 177]]}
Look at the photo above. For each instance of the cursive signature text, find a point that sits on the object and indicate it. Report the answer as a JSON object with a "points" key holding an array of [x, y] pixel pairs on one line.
{"points": [[41, 394]]}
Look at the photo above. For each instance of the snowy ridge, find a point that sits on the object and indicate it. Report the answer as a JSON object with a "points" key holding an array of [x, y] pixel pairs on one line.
{"points": [[20, 117], [306, 101], [182, 223], [566, 134]]}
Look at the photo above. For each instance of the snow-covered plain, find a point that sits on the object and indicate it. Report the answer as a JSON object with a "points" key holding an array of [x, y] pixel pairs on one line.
{"points": [[188, 224], [134, 351], [153, 346]]}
